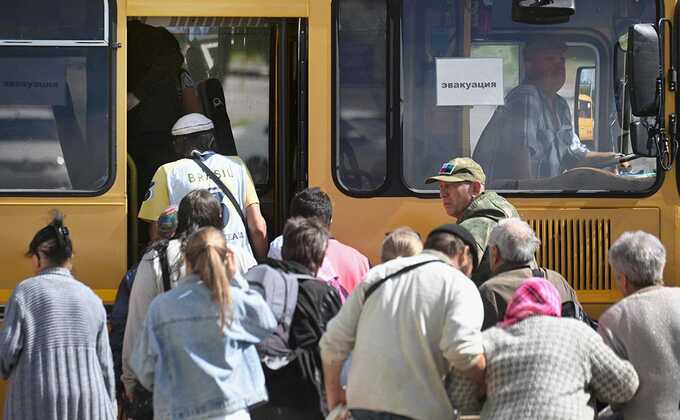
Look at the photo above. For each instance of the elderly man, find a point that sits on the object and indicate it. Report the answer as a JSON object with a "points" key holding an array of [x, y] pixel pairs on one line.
{"points": [[408, 323], [532, 136], [644, 327], [512, 245], [461, 188]]}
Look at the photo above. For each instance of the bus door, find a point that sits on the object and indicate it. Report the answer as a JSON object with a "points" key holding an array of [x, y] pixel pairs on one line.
{"points": [[249, 76]]}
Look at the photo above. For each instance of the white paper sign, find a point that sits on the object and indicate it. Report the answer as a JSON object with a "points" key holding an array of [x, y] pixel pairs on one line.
{"points": [[32, 81], [469, 81]]}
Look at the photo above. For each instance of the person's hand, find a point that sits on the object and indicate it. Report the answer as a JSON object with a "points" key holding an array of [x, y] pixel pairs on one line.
{"points": [[340, 412], [623, 166], [607, 160], [336, 398], [230, 263]]}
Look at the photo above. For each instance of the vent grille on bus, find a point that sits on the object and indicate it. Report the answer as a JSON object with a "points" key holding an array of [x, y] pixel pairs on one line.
{"points": [[236, 24], [576, 248]]}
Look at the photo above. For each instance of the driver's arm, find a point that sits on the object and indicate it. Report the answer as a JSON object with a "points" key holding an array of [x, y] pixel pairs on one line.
{"points": [[599, 159]]}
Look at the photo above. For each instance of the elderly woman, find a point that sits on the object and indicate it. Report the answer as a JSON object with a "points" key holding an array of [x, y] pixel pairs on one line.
{"points": [[644, 326], [542, 366]]}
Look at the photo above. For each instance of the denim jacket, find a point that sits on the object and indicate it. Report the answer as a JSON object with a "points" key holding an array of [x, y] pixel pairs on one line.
{"points": [[194, 370]]}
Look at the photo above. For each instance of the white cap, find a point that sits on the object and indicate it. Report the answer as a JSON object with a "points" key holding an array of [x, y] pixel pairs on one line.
{"points": [[191, 123]]}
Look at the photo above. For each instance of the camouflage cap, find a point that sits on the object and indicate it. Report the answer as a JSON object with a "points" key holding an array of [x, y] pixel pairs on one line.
{"points": [[459, 170]]}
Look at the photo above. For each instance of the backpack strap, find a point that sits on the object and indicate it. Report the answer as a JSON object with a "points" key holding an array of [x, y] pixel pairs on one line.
{"points": [[196, 157], [538, 272], [165, 267], [372, 288]]}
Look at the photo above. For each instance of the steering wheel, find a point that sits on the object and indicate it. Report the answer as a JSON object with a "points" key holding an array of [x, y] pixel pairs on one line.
{"points": [[350, 173]]}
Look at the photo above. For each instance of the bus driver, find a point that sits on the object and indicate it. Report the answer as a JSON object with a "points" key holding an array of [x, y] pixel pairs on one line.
{"points": [[535, 125]]}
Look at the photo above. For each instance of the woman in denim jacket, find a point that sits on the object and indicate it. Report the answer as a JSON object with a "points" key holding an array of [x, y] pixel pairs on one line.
{"points": [[197, 351]]}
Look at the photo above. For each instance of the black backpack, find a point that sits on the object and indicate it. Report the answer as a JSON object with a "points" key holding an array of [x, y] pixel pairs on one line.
{"points": [[571, 308], [294, 346]]}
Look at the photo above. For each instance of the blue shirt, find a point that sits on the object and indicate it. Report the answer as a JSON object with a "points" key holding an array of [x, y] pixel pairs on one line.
{"points": [[194, 368], [540, 138]]}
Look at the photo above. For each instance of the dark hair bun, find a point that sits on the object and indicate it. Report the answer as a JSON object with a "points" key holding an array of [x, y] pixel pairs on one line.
{"points": [[52, 242]]}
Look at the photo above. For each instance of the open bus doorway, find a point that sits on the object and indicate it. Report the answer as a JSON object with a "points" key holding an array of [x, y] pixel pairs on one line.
{"points": [[247, 74]]}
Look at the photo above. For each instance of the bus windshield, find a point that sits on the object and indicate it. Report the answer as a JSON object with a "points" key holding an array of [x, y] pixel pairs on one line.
{"points": [[542, 108]]}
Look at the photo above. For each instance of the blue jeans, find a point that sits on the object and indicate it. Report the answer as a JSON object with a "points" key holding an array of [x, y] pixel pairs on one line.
{"points": [[376, 415]]}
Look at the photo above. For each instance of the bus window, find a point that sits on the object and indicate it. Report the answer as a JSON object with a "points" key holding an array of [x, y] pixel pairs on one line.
{"points": [[46, 20], [576, 56], [480, 115], [431, 29], [55, 98], [361, 95], [236, 52], [550, 153]]}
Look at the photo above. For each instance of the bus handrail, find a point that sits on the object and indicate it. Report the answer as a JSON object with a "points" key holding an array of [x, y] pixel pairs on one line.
{"points": [[133, 240]]}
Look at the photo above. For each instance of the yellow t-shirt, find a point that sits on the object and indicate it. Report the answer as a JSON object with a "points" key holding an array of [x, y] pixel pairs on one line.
{"points": [[174, 180]]}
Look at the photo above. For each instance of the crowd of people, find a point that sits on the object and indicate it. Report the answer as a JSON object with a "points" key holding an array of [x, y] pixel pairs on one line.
{"points": [[464, 322]]}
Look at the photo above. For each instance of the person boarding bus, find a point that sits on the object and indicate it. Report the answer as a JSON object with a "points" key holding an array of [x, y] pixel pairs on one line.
{"points": [[199, 167]]}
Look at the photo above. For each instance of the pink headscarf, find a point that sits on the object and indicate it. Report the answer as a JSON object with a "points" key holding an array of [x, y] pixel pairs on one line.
{"points": [[536, 296]]}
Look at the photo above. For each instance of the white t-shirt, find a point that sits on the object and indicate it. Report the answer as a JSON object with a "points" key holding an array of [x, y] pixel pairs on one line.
{"points": [[174, 180]]}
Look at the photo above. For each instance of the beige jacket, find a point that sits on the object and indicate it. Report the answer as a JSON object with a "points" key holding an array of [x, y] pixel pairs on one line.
{"points": [[407, 336]]}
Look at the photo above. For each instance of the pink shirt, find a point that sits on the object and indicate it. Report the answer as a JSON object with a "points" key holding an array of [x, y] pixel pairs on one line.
{"points": [[349, 264]]}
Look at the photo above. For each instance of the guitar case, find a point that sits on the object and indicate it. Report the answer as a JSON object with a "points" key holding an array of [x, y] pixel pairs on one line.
{"points": [[212, 98]]}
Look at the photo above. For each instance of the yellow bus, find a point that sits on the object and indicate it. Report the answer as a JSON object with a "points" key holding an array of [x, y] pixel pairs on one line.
{"points": [[585, 118], [341, 94]]}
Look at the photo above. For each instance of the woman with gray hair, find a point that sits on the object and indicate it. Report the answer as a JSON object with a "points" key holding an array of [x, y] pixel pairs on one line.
{"points": [[644, 327]]}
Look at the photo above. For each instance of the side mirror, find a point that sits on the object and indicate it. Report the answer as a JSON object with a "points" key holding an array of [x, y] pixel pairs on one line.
{"points": [[621, 99], [642, 69], [642, 144], [542, 11], [584, 101]]}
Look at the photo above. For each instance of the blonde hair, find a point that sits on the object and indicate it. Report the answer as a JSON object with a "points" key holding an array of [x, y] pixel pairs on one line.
{"points": [[206, 252], [401, 242]]}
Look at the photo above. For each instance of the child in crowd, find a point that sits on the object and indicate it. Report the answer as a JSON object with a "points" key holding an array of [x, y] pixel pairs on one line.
{"points": [[401, 242]]}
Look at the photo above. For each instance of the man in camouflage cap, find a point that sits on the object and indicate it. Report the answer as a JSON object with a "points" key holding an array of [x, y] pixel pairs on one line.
{"points": [[461, 188]]}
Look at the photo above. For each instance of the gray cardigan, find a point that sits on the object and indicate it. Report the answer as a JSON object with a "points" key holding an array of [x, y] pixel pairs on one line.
{"points": [[644, 328], [54, 348]]}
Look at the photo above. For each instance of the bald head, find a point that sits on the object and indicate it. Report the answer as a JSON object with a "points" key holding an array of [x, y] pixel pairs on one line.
{"points": [[515, 241]]}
